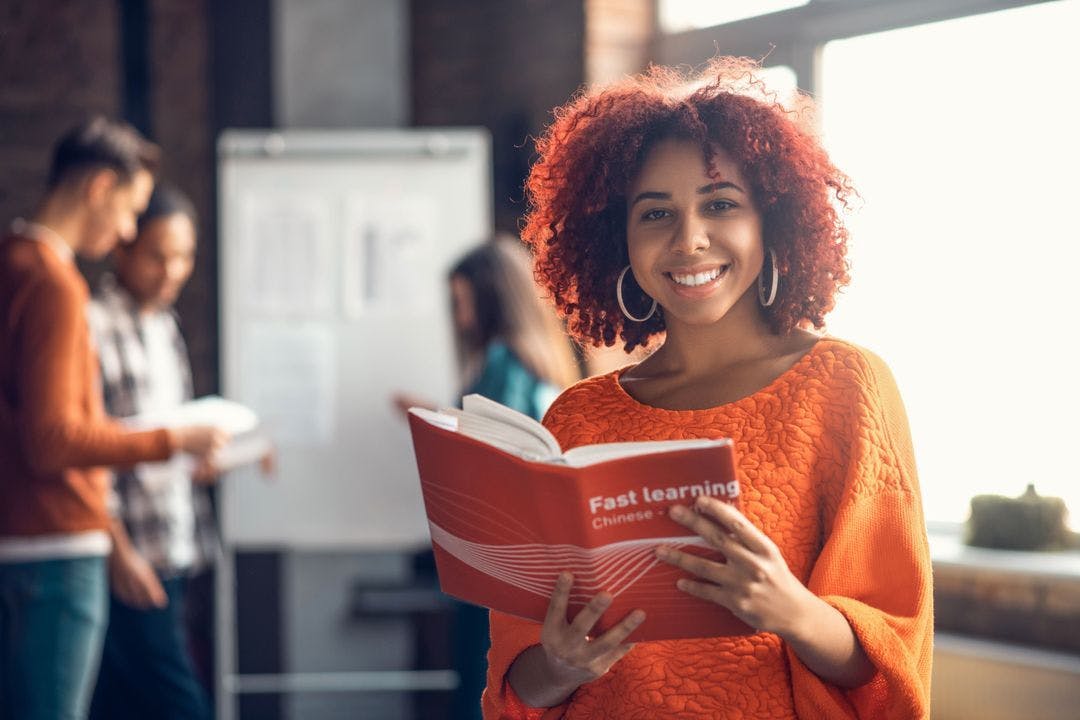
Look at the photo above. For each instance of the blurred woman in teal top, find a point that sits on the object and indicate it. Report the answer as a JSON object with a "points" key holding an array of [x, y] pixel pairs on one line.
{"points": [[512, 349], [510, 345], [505, 379]]}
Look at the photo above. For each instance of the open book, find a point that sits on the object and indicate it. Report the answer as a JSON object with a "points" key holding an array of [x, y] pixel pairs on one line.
{"points": [[509, 510], [248, 443]]}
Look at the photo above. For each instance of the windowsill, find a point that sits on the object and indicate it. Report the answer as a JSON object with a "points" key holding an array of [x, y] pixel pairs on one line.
{"points": [[1029, 598], [947, 550]]}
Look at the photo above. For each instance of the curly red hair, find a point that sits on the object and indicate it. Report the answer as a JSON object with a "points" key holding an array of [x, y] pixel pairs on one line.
{"points": [[576, 190]]}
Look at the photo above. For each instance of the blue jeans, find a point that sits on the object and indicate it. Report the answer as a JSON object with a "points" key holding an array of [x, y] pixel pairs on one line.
{"points": [[52, 622], [146, 670]]}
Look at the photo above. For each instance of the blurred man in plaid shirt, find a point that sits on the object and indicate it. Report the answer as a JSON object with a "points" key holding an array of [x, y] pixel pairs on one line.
{"points": [[146, 669]]}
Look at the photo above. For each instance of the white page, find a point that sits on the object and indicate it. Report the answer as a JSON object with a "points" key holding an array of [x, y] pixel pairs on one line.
{"points": [[245, 449], [509, 438], [230, 416], [485, 407], [248, 443], [593, 454], [438, 419]]}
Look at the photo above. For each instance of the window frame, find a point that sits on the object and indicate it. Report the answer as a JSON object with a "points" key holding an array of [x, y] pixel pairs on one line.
{"points": [[796, 37]]}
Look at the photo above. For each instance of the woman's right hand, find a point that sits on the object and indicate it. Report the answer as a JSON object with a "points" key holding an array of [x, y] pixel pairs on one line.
{"points": [[202, 441], [567, 657]]}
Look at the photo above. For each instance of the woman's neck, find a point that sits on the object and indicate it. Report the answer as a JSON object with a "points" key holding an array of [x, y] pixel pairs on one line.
{"points": [[694, 350], [706, 366]]}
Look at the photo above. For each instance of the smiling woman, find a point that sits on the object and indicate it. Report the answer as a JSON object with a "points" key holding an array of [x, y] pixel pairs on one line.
{"points": [[696, 215], [698, 242], [580, 194]]}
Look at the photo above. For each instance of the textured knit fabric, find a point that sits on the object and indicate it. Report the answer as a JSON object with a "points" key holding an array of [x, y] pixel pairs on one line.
{"points": [[169, 519], [826, 464], [54, 435]]}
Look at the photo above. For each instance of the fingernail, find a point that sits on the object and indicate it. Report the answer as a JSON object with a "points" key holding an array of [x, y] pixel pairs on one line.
{"points": [[662, 552], [678, 512], [637, 617], [682, 584]]}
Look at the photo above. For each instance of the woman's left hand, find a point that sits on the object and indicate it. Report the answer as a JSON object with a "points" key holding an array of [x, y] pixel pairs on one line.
{"points": [[755, 583]]}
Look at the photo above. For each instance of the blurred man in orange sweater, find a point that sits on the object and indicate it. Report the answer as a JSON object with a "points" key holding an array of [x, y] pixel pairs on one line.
{"points": [[55, 438]]}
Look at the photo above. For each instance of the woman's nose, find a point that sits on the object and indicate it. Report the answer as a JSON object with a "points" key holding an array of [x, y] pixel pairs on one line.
{"points": [[692, 235]]}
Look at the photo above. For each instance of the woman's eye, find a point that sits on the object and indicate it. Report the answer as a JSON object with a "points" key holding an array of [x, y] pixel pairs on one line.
{"points": [[655, 214], [720, 205]]}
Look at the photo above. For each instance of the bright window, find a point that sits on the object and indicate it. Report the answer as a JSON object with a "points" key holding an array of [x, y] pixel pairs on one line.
{"points": [[962, 137], [679, 15], [781, 80]]}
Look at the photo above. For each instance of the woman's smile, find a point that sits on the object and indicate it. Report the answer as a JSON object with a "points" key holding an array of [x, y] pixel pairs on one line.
{"points": [[697, 282]]}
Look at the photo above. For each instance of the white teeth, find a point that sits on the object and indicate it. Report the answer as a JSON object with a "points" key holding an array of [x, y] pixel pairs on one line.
{"points": [[697, 279]]}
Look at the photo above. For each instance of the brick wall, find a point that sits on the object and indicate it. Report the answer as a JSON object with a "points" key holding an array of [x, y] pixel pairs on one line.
{"points": [[499, 64], [179, 111], [618, 37], [59, 63], [506, 65]]}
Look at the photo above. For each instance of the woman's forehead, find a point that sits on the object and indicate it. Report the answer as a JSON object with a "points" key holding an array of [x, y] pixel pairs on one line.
{"points": [[675, 159]]}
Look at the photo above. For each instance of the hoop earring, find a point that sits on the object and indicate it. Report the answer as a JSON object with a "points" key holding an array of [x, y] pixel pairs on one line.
{"points": [[622, 304], [767, 298]]}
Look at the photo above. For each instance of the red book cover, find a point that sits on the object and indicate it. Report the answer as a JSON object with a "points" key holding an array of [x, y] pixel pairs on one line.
{"points": [[503, 528]]}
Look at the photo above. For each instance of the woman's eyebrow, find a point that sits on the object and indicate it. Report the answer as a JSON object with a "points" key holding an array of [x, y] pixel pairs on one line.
{"points": [[650, 195], [723, 185], [703, 190]]}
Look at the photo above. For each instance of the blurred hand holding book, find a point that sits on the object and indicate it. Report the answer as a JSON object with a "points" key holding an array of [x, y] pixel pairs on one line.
{"points": [[248, 443]]}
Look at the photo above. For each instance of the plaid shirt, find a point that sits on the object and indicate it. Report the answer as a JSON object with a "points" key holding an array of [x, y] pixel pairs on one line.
{"points": [[169, 518]]}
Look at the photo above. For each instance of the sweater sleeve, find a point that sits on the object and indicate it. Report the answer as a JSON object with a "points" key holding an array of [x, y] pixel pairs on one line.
{"points": [[56, 432], [511, 636], [874, 568]]}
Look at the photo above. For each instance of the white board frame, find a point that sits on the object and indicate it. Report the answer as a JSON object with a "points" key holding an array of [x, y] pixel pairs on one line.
{"points": [[346, 475]]}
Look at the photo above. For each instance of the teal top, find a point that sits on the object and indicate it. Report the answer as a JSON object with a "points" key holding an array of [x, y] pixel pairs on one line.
{"points": [[504, 379]]}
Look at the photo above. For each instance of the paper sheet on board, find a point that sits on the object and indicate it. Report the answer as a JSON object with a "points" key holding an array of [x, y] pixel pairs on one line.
{"points": [[388, 255], [289, 377], [287, 254]]}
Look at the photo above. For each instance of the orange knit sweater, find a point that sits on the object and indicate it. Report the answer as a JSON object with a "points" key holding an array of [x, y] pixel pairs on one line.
{"points": [[55, 438], [828, 473]]}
